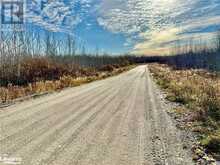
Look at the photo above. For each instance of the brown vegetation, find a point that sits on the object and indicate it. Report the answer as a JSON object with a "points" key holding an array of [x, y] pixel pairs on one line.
{"points": [[42, 77], [199, 91]]}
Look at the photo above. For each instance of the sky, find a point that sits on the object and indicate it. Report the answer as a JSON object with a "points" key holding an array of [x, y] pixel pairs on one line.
{"points": [[148, 27]]}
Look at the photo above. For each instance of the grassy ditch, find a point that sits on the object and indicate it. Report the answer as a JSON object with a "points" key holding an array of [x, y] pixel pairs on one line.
{"points": [[199, 92]]}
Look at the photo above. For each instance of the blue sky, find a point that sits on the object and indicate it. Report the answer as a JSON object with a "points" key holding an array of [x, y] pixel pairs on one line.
{"points": [[134, 26]]}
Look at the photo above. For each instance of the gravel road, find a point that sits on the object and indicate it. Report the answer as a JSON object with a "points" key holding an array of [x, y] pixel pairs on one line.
{"points": [[116, 121]]}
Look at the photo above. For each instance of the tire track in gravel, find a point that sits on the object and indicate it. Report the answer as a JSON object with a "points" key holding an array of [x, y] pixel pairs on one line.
{"points": [[55, 154], [38, 128], [111, 120], [37, 117], [38, 103], [117, 121], [121, 154], [25, 136], [58, 131]]}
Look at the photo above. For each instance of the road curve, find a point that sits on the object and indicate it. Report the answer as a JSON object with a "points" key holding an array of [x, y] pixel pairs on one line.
{"points": [[116, 121]]}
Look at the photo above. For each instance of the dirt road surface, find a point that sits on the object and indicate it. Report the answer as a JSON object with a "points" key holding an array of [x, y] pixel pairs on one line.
{"points": [[116, 121]]}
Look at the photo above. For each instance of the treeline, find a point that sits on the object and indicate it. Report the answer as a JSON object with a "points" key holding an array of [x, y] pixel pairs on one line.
{"points": [[195, 56], [36, 55], [192, 60]]}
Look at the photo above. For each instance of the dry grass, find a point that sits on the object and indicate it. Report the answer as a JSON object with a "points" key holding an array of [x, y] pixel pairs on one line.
{"points": [[34, 75], [12, 92], [199, 91]]}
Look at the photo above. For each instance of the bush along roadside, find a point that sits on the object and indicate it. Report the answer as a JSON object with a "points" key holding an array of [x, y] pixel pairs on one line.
{"points": [[13, 93], [197, 93]]}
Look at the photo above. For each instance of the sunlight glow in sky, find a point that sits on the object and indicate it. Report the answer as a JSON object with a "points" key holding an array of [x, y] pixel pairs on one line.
{"points": [[137, 26]]}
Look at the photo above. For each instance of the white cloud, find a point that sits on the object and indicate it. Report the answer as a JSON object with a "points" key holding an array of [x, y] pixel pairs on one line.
{"points": [[157, 23], [149, 25], [57, 15]]}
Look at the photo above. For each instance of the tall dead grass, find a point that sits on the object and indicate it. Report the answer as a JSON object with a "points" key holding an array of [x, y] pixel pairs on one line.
{"points": [[199, 91], [11, 92]]}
